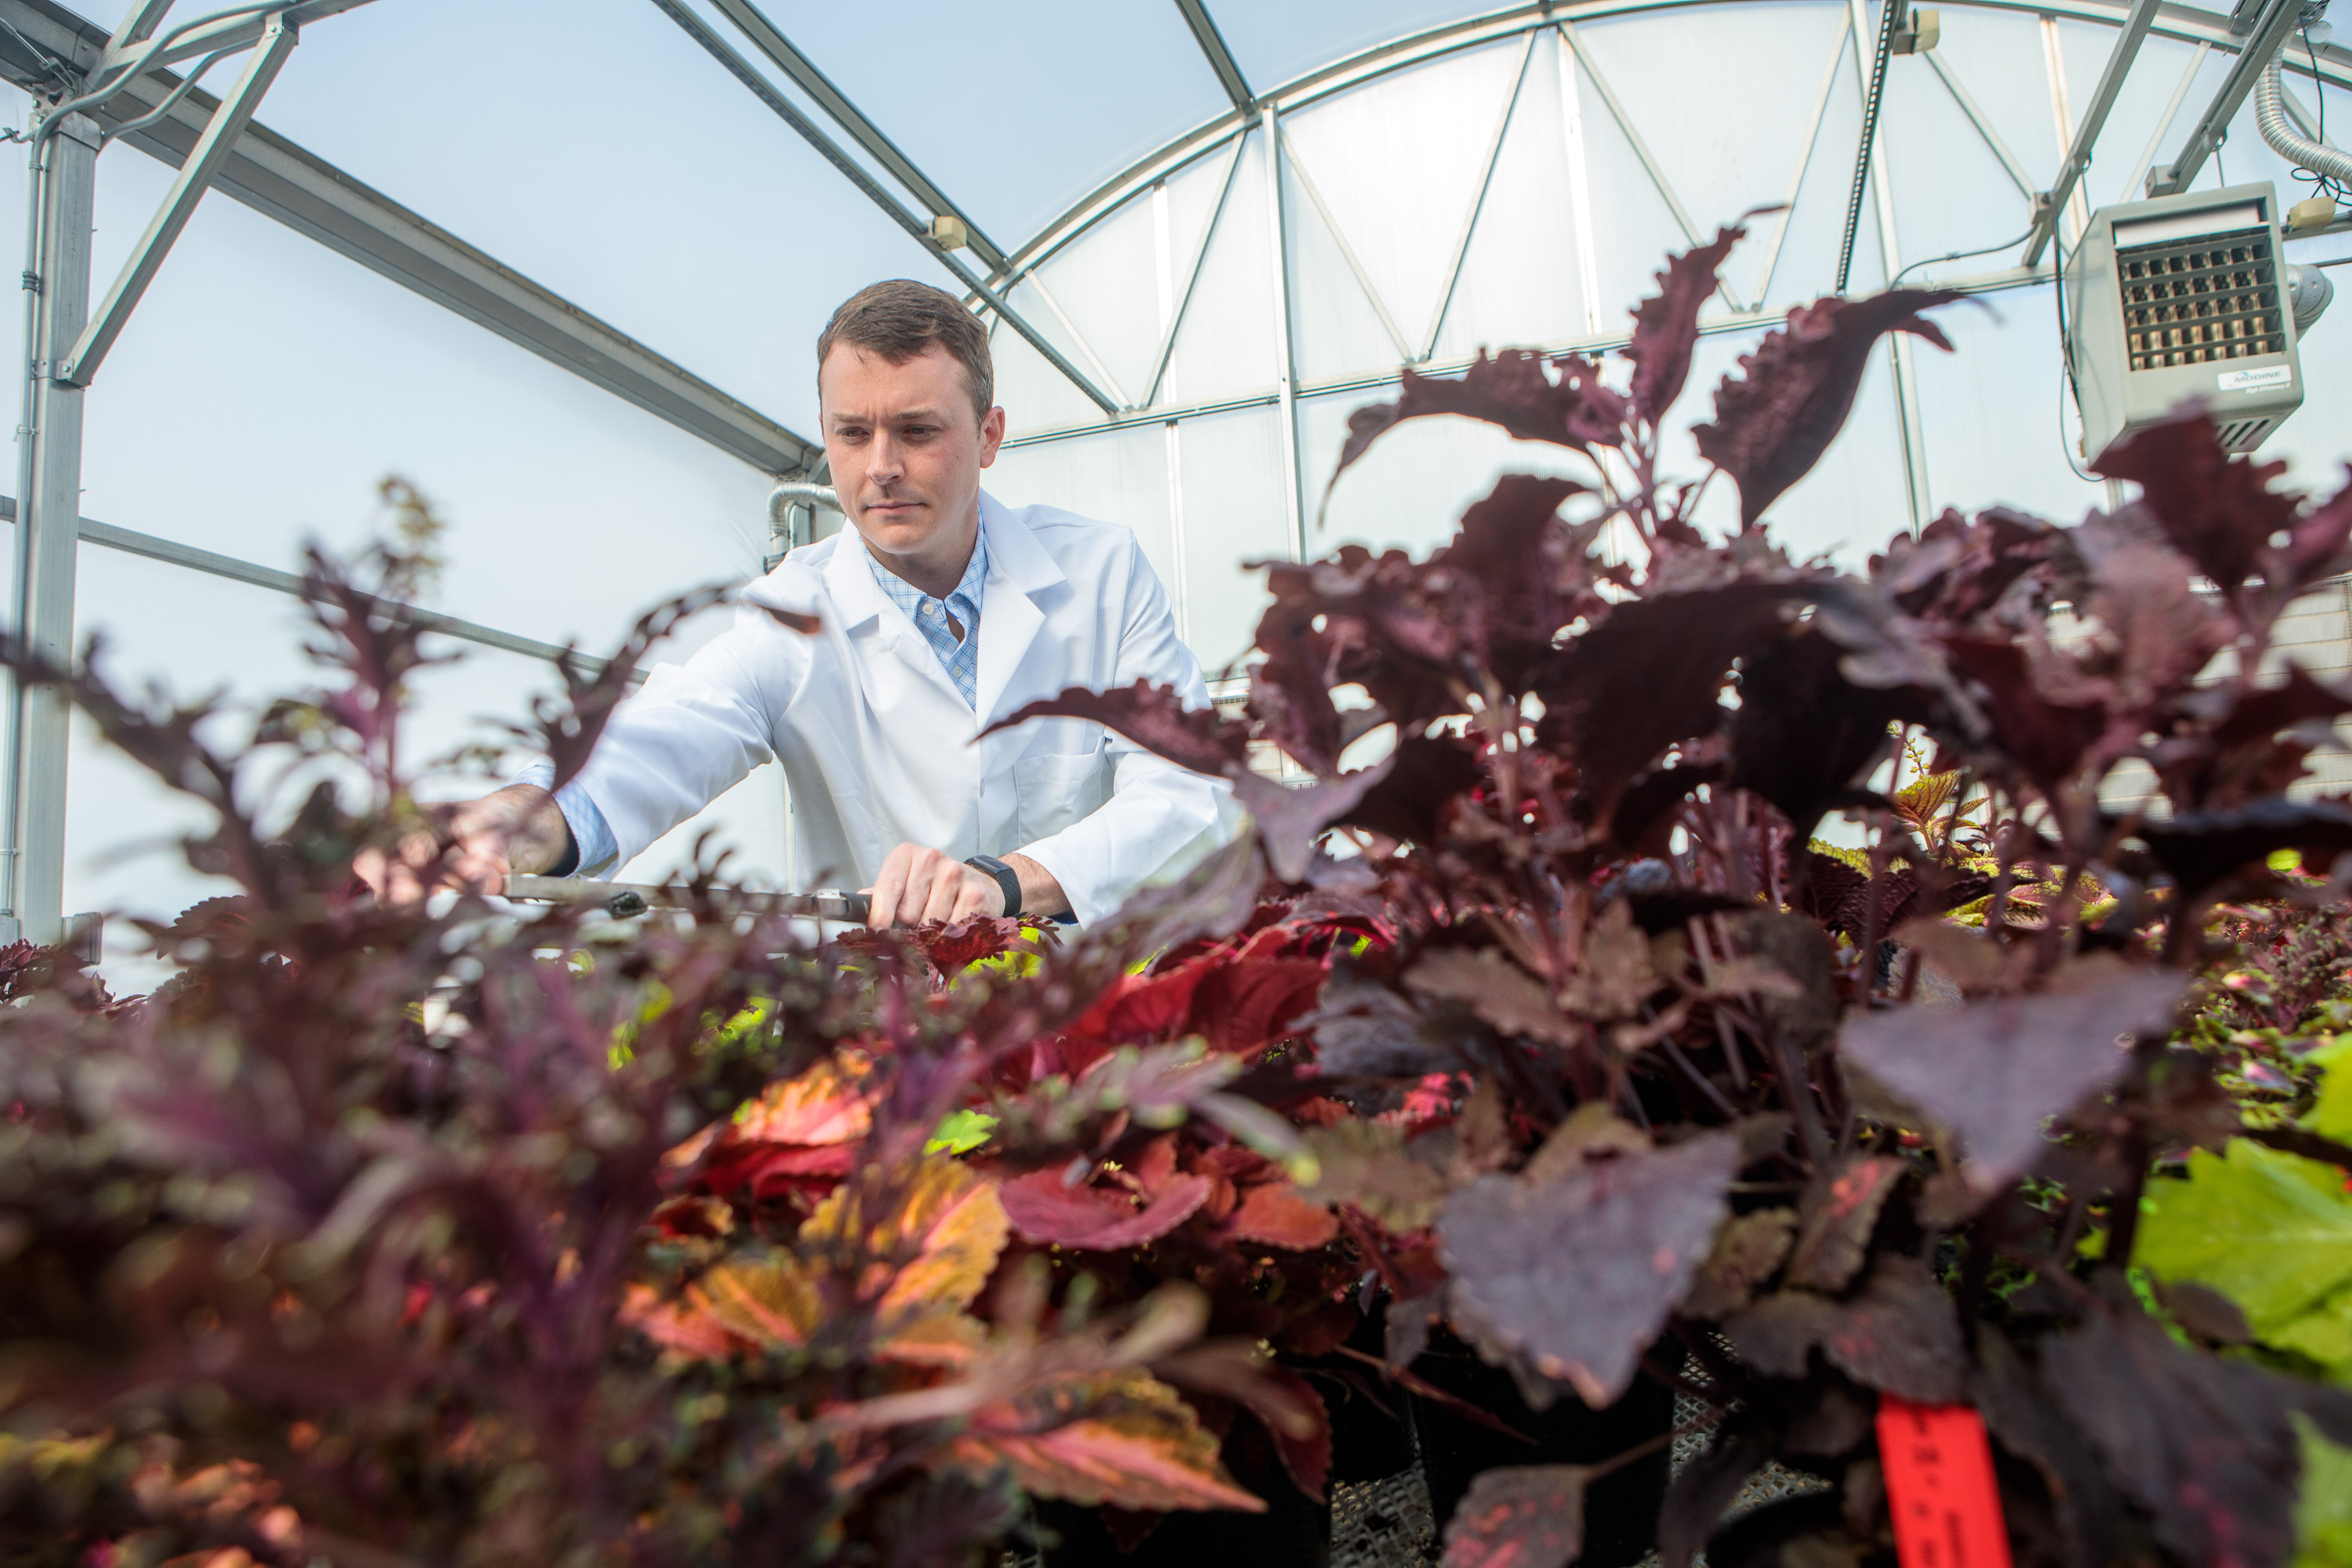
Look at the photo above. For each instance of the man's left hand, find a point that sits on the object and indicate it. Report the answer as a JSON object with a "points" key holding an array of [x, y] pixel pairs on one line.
{"points": [[918, 886]]}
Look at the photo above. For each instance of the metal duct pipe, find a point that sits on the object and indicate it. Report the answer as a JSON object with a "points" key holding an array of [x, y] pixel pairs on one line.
{"points": [[2270, 114], [789, 495]]}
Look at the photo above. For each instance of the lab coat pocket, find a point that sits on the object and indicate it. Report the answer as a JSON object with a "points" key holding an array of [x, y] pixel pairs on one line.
{"points": [[1057, 789]]}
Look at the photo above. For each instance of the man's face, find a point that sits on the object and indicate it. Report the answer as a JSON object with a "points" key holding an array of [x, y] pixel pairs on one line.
{"points": [[905, 449]]}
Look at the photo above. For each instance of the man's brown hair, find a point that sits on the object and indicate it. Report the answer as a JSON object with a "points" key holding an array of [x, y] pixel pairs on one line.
{"points": [[900, 318]]}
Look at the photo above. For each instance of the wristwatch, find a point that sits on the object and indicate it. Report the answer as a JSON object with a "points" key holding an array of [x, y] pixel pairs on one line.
{"points": [[1006, 878]]}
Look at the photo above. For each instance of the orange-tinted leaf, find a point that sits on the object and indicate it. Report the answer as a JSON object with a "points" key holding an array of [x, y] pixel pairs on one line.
{"points": [[1276, 1214], [826, 1104], [925, 1236], [1123, 1438], [688, 1327]]}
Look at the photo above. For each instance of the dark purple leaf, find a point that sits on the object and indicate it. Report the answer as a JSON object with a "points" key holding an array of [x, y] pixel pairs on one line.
{"points": [[1805, 736], [1364, 1029], [1774, 420], [2200, 849], [1153, 717], [1575, 1276], [1840, 1210], [2045, 736], [2217, 510], [1510, 390], [1702, 1490], [1651, 674], [2020, 1415], [1426, 775], [1995, 1070], [2208, 1445], [1520, 1516], [1290, 817], [1900, 1335], [1665, 325]]}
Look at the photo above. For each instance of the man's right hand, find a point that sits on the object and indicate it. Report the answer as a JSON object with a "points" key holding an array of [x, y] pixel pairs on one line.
{"points": [[472, 846]]}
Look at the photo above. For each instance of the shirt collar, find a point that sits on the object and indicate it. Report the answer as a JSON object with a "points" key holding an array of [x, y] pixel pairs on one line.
{"points": [[969, 587]]}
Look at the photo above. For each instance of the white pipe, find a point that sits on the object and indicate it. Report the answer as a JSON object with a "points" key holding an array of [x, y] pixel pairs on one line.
{"points": [[788, 494], [2270, 114]]}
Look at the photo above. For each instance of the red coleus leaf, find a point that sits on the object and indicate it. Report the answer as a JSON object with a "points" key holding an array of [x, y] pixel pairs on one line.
{"points": [[1520, 1516], [1276, 1215], [1241, 1005], [1576, 1275], [1510, 390], [1047, 1211], [1994, 1071], [1775, 419], [1665, 325], [1122, 1439], [2217, 510], [1153, 717]]}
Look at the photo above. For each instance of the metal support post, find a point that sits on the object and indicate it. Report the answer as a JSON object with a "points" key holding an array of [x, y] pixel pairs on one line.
{"points": [[2051, 204], [1286, 364], [1899, 348], [212, 148], [2271, 28], [65, 182]]}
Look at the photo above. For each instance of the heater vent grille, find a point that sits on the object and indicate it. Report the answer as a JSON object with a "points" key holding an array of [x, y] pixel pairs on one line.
{"points": [[2245, 434], [2192, 301]]}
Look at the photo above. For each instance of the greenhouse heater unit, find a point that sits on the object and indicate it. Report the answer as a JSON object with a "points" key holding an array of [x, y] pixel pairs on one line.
{"points": [[2187, 298]]}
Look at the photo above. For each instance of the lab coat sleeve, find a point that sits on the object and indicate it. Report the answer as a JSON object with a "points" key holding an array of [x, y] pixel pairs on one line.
{"points": [[691, 732], [1161, 817]]}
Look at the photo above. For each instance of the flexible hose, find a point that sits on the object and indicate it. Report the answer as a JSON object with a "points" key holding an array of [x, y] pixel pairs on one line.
{"points": [[2269, 115]]}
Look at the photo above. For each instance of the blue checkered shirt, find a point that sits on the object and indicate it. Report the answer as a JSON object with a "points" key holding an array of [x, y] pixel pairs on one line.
{"points": [[961, 659]]}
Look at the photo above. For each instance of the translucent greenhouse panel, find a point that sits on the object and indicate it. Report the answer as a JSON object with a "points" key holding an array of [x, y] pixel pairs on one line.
{"points": [[1425, 131], [1336, 326], [1099, 280], [1676, 73], [718, 235], [1523, 276], [2000, 59], [1803, 260], [1852, 502], [1229, 482], [1633, 227], [1952, 192], [1276, 43], [1998, 417], [1034, 393], [1119, 477], [1409, 492], [569, 511], [1226, 345]]}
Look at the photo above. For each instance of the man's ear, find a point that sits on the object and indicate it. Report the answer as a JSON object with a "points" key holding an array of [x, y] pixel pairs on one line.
{"points": [[991, 436]]}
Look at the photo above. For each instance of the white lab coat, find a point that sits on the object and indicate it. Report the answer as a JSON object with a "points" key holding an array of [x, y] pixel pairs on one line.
{"points": [[879, 748]]}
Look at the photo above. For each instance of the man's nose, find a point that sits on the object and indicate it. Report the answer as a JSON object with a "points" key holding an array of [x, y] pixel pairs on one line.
{"points": [[883, 461]]}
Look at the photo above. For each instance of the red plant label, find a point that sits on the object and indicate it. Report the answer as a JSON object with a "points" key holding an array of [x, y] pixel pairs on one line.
{"points": [[1939, 1485]]}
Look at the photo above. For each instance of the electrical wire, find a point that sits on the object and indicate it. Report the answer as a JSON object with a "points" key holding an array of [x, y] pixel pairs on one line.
{"points": [[1959, 256], [2321, 185], [2066, 358]]}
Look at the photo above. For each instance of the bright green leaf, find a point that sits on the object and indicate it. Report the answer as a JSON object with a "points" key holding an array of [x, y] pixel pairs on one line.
{"points": [[2322, 1521], [2270, 1231], [2332, 1116], [961, 1133]]}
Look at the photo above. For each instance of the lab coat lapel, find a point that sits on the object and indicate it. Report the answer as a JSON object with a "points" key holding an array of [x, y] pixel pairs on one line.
{"points": [[869, 617], [1019, 572]]}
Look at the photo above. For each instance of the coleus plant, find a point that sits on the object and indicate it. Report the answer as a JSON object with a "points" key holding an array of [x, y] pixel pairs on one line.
{"points": [[441, 1235]]}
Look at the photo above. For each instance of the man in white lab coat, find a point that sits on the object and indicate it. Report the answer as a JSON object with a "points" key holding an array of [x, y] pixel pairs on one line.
{"points": [[940, 611]]}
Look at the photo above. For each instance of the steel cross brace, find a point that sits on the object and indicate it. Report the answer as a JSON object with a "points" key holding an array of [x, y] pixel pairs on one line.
{"points": [[2277, 19], [789, 112], [229, 122], [2051, 204]]}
